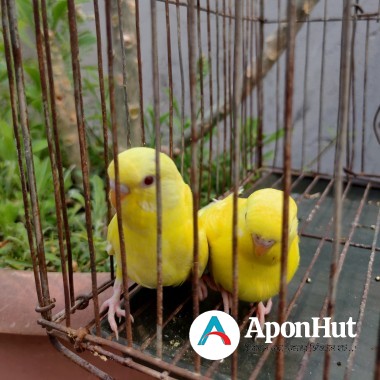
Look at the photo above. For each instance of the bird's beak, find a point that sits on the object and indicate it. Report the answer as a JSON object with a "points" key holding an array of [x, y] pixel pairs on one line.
{"points": [[262, 246], [124, 191]]}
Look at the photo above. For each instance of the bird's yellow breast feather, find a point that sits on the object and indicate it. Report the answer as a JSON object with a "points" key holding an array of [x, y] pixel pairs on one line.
{"points": [[139, 220], [258, 278]]}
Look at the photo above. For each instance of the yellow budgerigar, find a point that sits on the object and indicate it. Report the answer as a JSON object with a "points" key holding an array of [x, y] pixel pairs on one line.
{"points": [[259, 246], [137, 174]]}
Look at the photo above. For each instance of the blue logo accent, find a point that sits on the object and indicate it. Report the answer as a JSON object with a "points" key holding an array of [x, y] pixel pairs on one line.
{"points": [[214, 323]]}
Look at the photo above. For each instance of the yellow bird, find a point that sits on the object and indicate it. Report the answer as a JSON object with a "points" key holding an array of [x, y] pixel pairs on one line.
{"points": [[259, 246], [137, 174]]}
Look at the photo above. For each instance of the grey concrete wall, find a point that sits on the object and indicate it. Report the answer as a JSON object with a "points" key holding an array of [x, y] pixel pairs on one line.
{"points": [[309, 101]]}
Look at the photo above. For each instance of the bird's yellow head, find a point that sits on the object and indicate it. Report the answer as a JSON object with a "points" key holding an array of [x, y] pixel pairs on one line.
{"points": [[137, 177], [264, 220]]}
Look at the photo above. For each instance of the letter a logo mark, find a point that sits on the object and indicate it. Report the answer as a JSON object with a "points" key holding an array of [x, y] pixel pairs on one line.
{"points": [[214, 335], [214, 323]]}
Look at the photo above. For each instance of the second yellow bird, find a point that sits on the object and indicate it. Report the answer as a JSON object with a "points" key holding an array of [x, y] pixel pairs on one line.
{"points": [[259, 246]]}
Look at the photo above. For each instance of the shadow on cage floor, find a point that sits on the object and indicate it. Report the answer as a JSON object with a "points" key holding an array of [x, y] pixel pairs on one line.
{"points": [[307, 292]]}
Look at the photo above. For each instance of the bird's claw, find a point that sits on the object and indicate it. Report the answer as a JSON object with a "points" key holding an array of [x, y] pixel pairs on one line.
{"points": [[114, 308], [260, 308], [262, 311], [227, 300]]}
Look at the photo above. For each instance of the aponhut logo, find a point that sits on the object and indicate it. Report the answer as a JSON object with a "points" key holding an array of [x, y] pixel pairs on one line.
{"points": [[214, 335]]}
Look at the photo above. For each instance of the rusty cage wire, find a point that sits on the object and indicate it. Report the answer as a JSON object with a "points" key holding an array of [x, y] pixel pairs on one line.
{"points": [[280, 94]]}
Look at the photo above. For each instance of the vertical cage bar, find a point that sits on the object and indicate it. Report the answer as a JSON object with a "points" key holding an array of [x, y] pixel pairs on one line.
{"points": [[201, 93], [210, 63], [104, 110], [102, 100], [260, 88], [115, 145], [224, 98], [12, 92], [124, 66], [236, 132], [351, 153], [277, 85], [49, 136], [24, 122], [182, 75], [344, 93], [104, 117], [170, 76], [191, 40], [288, 117], [305, 90], [244, 104], [83, 150], [251, 98], [364, 117], [49, 65], [230, 90], [218, 133], [321, 86], [139, 64], [156, 107]]}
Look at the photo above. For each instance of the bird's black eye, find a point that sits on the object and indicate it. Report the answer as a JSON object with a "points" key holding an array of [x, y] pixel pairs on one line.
{"points": [[148, 180]]}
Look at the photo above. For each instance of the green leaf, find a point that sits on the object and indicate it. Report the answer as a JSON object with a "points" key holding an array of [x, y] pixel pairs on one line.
{"points": [[268, 155], [52, 258], [86, 39], [176, 108], [99, 206], [34, 74], [39, 145], [9, 212], [33, 96], [67, 178], [18, 264], [164, 118], [59, 12], [274, 136], [77, 196], [7, 145], [43, 176]]}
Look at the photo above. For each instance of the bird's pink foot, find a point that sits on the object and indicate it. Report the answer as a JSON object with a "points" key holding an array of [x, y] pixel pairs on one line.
{"points": [[226, 296], [208, 280], [114, 308], [262, 311], [202, 289], [227, 300]]}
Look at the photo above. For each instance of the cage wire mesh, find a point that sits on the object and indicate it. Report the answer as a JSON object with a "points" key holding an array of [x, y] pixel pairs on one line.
{"points": [[280, 94]]}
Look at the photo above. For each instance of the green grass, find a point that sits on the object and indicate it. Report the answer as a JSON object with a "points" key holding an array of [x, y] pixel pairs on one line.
{"points": [[14, 246]]}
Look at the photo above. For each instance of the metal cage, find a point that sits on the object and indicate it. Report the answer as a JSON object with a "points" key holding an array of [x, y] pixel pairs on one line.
{"points": [[257, 94]]}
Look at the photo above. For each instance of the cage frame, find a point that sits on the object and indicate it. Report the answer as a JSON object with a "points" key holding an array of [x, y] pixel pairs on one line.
{"points": [[82, 338]]}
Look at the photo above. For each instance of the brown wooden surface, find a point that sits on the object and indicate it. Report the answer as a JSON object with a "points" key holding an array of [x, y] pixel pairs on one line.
{"points": [[25, 350], [33, 357]]}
